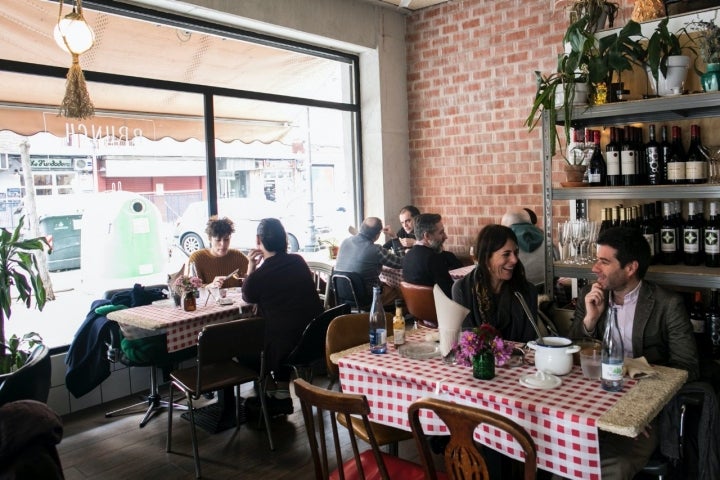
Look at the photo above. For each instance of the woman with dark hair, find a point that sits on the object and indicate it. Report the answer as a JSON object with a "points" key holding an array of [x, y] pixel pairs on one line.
{"points": [[282, 287], [489, 290]]}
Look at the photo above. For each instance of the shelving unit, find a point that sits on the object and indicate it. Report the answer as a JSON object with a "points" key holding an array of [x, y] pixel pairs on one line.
{"points": [[678, 109]]}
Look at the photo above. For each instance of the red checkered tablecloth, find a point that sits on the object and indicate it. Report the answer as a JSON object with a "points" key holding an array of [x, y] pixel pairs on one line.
{"points": [[562, 421], [393, 276], [182, 328]]}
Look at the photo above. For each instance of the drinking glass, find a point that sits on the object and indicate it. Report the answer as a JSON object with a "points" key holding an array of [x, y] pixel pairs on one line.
{"points": [[577, 233], [563, 235]]}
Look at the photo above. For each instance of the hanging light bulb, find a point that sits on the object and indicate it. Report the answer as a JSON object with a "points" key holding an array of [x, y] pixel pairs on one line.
{"points": [[72, 33]]}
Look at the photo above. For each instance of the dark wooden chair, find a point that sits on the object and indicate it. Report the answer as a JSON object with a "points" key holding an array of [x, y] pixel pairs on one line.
{"points": [[420, 303], [463, 457], [321, 409], [347, 331], [216, 369], [310, 350]]}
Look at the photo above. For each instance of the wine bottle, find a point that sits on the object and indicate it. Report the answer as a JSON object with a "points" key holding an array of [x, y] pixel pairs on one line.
{"points": [[649, 231], [623, 217], [597, 170], [665, 153], [696, 166], [627, 157], [640, 171], [378, 326], [711, 237], [615, 217], [668, 237], [653, 169], [697, 319], [612, 158], [691, 237], [613, 354], [605, 221], [712, 323], [676, 161]]}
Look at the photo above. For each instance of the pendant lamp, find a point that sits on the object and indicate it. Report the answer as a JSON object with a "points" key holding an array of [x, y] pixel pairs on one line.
{"points": [[74, 35]]}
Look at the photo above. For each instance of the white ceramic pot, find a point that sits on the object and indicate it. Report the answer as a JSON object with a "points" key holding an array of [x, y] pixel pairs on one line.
{"points": [[672, 83], [554, 355], [580, 98]]}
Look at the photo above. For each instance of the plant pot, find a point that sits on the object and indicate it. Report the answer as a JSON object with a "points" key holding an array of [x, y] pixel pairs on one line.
{"points": [[484, 366], [580, 98], [672, 83], [711, 79], [575, 173]]}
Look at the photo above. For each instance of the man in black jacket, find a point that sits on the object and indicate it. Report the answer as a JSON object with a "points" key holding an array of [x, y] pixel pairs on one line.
{"points": [[424, 263]]}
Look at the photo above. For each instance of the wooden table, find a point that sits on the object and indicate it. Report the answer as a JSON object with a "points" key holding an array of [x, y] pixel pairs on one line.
{"points": [[563, 422]]}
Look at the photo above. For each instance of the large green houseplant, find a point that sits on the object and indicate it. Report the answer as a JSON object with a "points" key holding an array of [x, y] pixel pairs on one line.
{"points": [[19, 275]]}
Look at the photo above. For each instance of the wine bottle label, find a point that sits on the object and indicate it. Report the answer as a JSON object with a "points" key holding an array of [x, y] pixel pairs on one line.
{"points": [[691, 240], [612, 371], [698, 325], [712, 237], [667, 240], [627, 162], [676, 171], [613, 163], [594, 177], [695, 170]]}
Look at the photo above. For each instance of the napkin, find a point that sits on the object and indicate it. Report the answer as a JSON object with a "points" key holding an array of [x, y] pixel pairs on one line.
{"points": [[638, 368], [450, 316]]}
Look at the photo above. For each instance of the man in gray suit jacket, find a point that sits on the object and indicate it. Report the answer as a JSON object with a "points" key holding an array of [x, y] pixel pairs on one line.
{"points": [[653, 321]]}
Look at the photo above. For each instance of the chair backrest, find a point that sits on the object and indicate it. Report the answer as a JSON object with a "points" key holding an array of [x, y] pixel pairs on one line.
{"points": [[463, 458], [311, 346], [420, 303], [31, 381], [221, 342], [322, 273], [344, 332], [350, 288], [328, 405]]}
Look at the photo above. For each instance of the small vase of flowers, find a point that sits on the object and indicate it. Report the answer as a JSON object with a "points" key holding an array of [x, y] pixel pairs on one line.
{"points": [[482, 348], [188, 288]]}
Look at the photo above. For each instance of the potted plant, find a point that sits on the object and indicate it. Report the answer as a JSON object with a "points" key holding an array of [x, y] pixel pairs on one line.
{"points": [[707, 38], [332, 247], [598, 12], [665, 61], [18, 274]]}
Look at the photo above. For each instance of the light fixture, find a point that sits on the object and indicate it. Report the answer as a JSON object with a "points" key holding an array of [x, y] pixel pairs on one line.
{"points": [[74, 35]]}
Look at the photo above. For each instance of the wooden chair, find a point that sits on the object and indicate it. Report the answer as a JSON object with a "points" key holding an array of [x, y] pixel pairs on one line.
{"points": [[322, 273], [420, 303], [310, 349], [463, 457], [217, 369], [347, 331], [329, 406]]}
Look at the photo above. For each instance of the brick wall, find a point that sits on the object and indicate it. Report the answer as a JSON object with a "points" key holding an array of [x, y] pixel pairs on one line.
{"points": [[470, 87]]}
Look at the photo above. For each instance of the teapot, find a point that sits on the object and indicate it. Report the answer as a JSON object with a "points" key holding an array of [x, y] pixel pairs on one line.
{"points": [[554, 354]]}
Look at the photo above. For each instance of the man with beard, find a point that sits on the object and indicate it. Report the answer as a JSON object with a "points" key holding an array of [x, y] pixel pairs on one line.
{"points": [[653, 322], [424, 263]]}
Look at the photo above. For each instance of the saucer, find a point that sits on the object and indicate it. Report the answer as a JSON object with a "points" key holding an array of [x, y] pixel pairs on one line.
{"points": [[533, 380], [419, 350]]}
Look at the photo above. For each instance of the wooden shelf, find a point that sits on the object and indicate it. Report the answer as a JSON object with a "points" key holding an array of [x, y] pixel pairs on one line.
{"points": [[669, 275]]}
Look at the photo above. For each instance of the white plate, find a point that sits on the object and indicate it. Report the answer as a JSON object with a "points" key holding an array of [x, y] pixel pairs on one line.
{"points": [[419, 350], [533, 380]]}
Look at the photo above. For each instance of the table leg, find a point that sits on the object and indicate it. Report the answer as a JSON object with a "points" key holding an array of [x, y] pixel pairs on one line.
{"points": [[218, 416]]}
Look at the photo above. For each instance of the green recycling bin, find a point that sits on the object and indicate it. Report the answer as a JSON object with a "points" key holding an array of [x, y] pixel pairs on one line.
{"points": [[122, 241], [65, 233]]}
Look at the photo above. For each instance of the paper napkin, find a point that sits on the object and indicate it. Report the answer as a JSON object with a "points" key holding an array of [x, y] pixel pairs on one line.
{"points": [[450, 316]]}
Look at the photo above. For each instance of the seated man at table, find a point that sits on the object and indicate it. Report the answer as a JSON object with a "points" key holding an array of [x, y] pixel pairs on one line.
{"points": [[426, 263], [405, 237], [531, 241], [215, 263], [654, 324], [360, 254]]}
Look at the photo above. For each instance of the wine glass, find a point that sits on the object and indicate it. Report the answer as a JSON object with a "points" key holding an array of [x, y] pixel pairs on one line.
{"points": [[563, 235]]}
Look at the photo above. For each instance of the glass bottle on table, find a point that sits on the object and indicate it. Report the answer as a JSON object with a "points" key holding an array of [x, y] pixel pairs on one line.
{"points": [[378, 326], [613, 354], [398, 324]]}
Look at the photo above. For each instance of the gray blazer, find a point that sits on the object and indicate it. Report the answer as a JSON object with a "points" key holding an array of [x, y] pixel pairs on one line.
{"points": [[662, 332]]}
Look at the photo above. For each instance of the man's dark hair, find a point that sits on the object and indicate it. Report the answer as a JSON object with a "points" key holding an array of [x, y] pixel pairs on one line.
{"points": [[371, 228], [630, 246], [219, 227], [272, 235], [425, 222], [533, 217], [412, 209]]}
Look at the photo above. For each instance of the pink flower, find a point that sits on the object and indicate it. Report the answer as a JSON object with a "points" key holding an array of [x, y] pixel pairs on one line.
{"points": [[187, 284], [479, 340]]}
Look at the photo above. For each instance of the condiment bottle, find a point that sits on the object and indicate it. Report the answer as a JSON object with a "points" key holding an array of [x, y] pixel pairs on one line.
{"points": [[398, 324]]}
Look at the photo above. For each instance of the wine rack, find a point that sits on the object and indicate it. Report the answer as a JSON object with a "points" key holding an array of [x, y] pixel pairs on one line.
{"points": [[683, 110]]}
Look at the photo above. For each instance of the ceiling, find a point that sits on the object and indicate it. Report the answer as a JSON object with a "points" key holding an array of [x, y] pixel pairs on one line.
{"points": [[414, 4], [148, 50]]}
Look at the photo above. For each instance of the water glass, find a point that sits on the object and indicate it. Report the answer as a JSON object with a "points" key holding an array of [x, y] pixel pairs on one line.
{"points": [[591, 363]]}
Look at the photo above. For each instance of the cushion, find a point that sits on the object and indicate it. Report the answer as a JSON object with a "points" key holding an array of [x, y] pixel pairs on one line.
{"points": [[396, 467]]}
